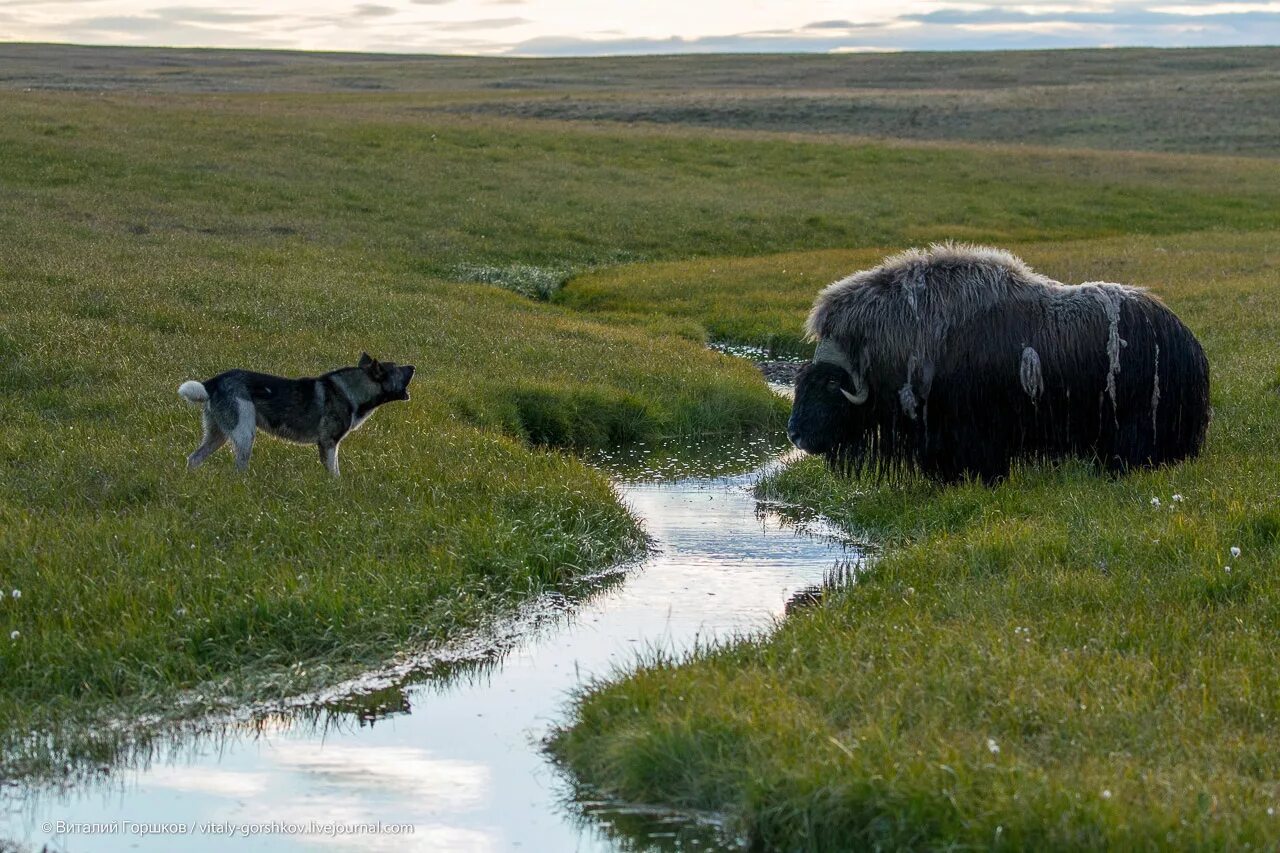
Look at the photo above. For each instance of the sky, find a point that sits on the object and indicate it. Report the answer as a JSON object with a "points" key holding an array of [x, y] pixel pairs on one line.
{"points": [[603, 27]]}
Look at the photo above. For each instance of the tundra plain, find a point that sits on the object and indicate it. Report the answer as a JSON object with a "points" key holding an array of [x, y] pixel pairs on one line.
{"points": [[1058, 660]]}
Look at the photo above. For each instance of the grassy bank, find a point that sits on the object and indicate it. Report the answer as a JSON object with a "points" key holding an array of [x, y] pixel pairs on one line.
{"points": [[138, 578], [147, 244], [1062, 662]]}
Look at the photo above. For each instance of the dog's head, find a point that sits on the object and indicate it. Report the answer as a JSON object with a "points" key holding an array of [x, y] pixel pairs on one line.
{"points": [[392, 379]]}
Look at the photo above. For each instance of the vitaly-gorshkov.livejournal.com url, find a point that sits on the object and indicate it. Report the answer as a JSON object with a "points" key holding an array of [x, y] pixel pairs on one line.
{"points": [[229, 829]]}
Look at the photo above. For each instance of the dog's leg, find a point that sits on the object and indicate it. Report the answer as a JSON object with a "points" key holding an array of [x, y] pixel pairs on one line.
{"points": [[329, 456], [213, 439], [242, 433]]}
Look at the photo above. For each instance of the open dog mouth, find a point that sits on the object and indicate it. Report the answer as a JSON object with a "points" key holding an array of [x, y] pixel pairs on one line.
{"points": [[407, 371]]}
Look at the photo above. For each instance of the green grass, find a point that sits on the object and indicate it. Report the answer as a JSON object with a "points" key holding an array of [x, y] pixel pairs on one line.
{"points": [[763, 301], [155, 236], [156, 244], [759, 301], [138, 577], [1123, 676], [1192, 100], [444, 195]]}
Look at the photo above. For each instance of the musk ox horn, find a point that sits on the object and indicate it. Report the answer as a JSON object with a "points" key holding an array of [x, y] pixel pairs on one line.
{"points": [[862, 391], [830, 352]]}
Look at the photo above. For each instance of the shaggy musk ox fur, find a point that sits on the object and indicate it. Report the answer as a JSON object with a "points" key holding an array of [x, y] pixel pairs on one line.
{"points": [[958, 360]]}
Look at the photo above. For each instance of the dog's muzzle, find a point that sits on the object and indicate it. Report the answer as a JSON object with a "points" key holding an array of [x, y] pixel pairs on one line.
{"points": [[408, 371]]}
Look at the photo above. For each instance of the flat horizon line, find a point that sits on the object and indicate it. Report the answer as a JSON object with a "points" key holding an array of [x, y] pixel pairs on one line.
{"points": [[654, 55]]}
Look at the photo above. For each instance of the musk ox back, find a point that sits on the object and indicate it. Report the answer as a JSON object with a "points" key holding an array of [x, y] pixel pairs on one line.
{"points": [[958, 360]]}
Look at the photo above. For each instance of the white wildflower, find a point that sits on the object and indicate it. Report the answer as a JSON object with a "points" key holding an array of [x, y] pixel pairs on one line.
{"points": [[13, 635], [17, 593], [1227, 569], [1155, 502], [993, 746], [1106, 795], [1177, 499], [1235, 550]]}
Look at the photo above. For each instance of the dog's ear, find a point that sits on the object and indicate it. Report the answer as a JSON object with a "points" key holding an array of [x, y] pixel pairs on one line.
{"points": [[374, 369]]}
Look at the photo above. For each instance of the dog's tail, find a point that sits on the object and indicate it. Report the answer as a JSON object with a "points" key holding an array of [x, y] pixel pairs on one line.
{"points": [[193, 392]]}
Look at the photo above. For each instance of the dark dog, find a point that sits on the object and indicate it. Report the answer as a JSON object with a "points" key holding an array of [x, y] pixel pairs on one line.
{"points": [[316, 410]]}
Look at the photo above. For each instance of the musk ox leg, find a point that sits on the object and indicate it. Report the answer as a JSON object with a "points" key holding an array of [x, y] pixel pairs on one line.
{"points": [[952, 474], [952, 458], [991, 470]]}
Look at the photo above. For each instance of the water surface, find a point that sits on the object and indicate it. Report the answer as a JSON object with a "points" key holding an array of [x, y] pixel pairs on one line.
{"points": [[457, 757]]}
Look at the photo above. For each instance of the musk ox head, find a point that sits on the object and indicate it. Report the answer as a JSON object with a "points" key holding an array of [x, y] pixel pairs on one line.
{"points": [[830, 395]]}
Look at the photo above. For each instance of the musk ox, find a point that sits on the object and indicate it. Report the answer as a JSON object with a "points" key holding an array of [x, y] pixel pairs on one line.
{"points": [[958, 360]]}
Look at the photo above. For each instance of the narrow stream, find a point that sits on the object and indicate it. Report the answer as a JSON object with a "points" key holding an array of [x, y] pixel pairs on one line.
{"points": [[458, 757]]}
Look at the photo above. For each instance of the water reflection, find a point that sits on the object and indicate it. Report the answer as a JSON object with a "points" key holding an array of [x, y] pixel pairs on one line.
{"points": [[448, 749], [840, 574], [653, 830], [707, 458]]}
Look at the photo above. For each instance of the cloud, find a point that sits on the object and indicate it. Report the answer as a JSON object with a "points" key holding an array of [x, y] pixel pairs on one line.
{"points": [[481, 24], [1214, 8], [973, 28], [844, 25], [14, 3], [134, 24], [997, 15], [207, 15], [373, 10], [1238, 16], [156, 30], [1031, 24], [392, 25]]}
